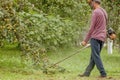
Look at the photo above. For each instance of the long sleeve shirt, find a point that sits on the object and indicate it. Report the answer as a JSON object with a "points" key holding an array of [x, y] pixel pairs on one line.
{"points": [[98, 25]]}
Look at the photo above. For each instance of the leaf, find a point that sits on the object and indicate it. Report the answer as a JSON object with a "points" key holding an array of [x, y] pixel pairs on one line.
{"points": [[31, 32]]}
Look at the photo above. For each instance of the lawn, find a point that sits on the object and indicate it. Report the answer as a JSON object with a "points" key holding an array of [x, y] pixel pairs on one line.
{"points": [[11, 67]]}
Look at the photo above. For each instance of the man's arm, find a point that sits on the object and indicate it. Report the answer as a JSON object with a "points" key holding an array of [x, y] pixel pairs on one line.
{"points": [[91, 30]]}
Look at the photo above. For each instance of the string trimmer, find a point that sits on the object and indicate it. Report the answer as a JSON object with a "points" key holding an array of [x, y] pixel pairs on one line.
{"points": [[70, 55], [53, 67]]}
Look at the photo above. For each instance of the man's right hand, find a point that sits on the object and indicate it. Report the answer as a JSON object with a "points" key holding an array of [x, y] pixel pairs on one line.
{"points": [[83, 43]]}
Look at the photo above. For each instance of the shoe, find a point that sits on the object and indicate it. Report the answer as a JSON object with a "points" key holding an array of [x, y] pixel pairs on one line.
{"points": [[82, 75]]}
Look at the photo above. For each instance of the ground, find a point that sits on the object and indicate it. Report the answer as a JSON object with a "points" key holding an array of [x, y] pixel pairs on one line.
{"points": [[11, 68]]}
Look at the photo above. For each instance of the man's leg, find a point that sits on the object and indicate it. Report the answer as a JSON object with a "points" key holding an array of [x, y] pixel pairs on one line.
{"points": [[96, 46], [89, 67]]}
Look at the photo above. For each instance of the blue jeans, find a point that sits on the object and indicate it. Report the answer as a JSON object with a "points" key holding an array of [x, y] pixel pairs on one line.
{"points": [[96, 46]]}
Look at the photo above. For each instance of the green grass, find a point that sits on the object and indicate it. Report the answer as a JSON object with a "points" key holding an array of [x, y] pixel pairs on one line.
{"points": [[11, 67]]}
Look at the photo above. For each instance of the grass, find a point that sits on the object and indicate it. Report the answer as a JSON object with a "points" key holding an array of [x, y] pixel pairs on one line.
{"points": [[11, 67]]}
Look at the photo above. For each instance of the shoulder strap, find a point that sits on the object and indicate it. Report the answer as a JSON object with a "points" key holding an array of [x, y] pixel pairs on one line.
{"points": [[105, 16]]}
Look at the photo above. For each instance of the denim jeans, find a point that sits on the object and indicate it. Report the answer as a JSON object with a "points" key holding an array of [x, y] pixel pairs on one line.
{"points": [[96, 46]]}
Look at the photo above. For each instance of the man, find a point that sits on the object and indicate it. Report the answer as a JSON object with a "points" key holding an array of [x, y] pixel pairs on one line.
{"points": [[96, 35]]}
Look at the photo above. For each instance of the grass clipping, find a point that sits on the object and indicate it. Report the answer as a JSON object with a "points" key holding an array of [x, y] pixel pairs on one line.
{"points": [[48, 68]]}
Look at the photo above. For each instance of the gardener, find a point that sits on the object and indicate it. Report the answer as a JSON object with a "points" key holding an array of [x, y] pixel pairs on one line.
{"points": [[97, 35]]}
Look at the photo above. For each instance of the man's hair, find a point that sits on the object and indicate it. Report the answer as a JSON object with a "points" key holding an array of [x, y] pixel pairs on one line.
{"points": [[97, 1]]}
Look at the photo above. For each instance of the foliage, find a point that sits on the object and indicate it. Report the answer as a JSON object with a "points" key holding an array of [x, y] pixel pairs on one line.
{"points": [[37, 31], [72, 9], [8, 22], [42, 25]]}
